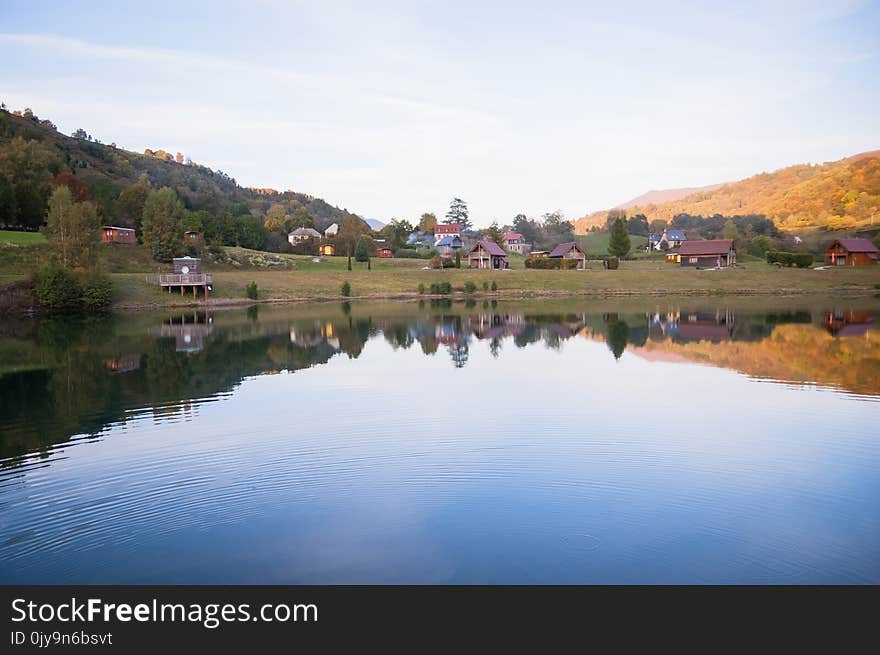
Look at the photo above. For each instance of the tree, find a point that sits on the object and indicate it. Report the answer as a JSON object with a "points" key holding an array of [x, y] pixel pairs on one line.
{"points": [[397, 231], [72, 230], [276, 219], [619, 243], [77, 187], [730, 231], [8, 205], [361, 252], [613, 215], [162, 214], [638, 224], [657, 226], [529, 228], [493, 232], [458, 213], [300, 218], [351, 230], [28, 165], [130, 204], [427, 223], [556, 229]]}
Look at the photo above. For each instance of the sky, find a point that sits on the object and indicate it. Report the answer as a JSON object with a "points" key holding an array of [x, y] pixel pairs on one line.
{"points": [[390, 109]]}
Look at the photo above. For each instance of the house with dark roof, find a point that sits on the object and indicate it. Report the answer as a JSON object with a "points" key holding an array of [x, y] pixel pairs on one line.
{"points": [[672, 238], [301, 234], [570, 250], [116, 234], [711, 253], [487, 254], [515, 242], [851, 252], [448, 246]]}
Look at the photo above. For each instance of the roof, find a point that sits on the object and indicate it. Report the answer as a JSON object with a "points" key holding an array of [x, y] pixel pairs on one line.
{"points": [[563, 248], [334, 227], [511, 236], [490, 246], [675, 235], [451, 228], [307, 231], [856, 245], [447, 241], [115, 227], [707, 247]]}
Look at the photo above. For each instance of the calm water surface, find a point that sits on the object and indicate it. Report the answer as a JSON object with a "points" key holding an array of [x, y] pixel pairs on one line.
{"points": [[639, 441]]}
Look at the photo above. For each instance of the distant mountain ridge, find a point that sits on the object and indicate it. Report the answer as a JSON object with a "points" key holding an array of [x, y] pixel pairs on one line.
{"points": [[656, 197], [838, 195]]}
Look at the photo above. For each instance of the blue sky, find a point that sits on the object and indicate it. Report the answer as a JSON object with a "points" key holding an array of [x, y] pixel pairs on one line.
{"points": [[390, 109]]}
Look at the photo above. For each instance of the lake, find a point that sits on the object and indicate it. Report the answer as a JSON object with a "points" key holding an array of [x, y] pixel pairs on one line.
{"points": [[652, 440]]}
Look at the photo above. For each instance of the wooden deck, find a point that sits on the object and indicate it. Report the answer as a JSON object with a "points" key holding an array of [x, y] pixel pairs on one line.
{"points": [[192, 281]]}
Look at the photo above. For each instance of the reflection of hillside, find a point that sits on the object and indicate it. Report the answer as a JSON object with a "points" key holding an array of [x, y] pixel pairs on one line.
{"points": [[792, 353]]}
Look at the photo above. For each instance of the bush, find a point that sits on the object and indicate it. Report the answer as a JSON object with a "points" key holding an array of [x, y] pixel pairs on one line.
{"points": [[345, 289], [58, 290], [361, 252], [485, 286], [97, 291], [552, 263], [612, 263], [469, 287], [801, 260], [251, 291], [421, 288], [441, 288], [441, 262], [408, 253], [494, 286]]}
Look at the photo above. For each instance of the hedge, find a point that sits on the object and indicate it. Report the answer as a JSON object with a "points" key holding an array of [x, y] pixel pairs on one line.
{"points": [[801, 260], [552, 263]]}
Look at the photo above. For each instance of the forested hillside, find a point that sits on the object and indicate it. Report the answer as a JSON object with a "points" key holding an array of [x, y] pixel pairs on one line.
{"points": [[35, 157], [840, 195]]}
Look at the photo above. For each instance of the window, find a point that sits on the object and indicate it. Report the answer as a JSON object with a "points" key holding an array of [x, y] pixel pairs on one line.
{"points": [[693, 260]]}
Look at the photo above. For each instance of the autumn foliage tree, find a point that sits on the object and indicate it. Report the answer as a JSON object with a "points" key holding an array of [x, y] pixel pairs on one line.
{"points": [[72, 229], [162, 217]]}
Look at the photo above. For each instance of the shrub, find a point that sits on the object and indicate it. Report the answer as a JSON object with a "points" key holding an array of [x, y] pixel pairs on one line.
{"points": [[251, 291], [801, 260], [469, 287], [57, 289], [494, 285], [421, 288], [361, 252], [552, 263], [457, 259], [345, 289], [407, 253], [97, 291], [485, 285], [441, 262], [612, 263], [441, 288]]}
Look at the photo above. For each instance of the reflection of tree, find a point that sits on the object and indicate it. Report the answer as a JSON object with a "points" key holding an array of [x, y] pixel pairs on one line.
{"points": [[459, 354], [617, 336], [495, 348]]}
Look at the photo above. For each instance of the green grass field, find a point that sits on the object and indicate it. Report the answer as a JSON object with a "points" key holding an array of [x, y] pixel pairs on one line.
{"points": [[21, 238], [596, 243]]}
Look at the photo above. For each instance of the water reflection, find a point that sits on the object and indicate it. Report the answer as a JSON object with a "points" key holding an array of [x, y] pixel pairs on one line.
{"points": [[62, 377]]}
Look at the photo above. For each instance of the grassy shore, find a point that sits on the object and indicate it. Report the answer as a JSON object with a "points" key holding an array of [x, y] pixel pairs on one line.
{"points": [[282, 278], [401, 279]]}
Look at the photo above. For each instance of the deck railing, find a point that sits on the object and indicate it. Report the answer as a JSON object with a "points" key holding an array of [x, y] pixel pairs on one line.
{"points": [[181, 280]]}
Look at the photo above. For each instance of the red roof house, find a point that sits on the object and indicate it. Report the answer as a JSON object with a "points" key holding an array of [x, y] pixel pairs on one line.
{"points": [[851, 252], [444, 230]]}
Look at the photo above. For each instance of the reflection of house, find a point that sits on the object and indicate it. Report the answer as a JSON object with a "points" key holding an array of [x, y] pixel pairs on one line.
{"points": [[708, 254], [189, 332], [327, 250], [705, 326], [331, 231], [495, 326], [448, 246], [301, 234], [570, 250], [113, 234], [849, 323], [487, 254], [515, 242], [443, 230], [124, 363], [851, 252]]}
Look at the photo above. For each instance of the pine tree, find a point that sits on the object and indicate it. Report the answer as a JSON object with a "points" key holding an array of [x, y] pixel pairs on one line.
{"points": [[458, 213], [619, 243]]}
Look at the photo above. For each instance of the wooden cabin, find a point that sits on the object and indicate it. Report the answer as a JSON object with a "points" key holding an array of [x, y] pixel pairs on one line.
{"points": [[487, 254], [384, 252], [187, 275], [192, 238], [327, 250], [571, 250], [114, 234], [538, 254], [710, 253], [673, 258], [851, 252]]}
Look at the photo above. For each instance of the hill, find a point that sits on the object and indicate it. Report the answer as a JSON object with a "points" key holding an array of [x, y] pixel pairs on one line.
{"points": [[656, 197], [34, 153], [839, 195]]}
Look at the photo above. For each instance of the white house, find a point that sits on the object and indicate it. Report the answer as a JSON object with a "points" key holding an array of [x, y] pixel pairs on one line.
{"points": [[331, 231], [301, 234]]}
